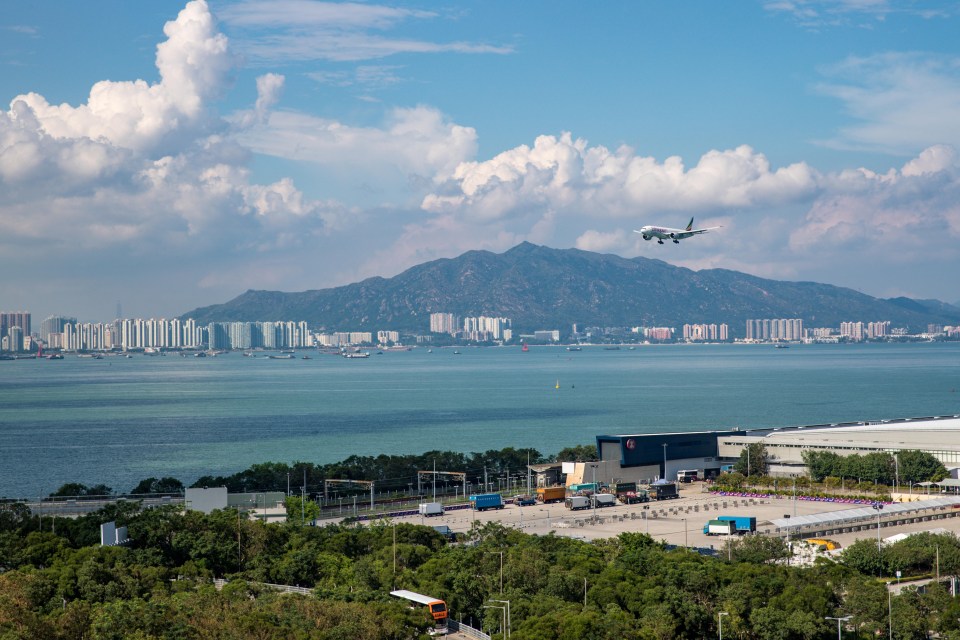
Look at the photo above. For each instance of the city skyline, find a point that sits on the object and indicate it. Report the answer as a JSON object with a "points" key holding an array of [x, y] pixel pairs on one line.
{"points": [[185, 152], [153, 334]]}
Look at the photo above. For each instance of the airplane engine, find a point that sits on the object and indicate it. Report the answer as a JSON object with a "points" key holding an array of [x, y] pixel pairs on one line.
{"points": [[673, 235], [646, 237]]}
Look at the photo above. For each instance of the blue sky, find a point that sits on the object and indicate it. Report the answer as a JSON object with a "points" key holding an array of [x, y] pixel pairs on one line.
{"points": [[167, 155]]}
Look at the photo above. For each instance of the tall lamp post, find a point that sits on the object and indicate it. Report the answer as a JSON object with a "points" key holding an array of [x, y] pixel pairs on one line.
{"points": [[507, 602], [720, 618], [839, 620], [593, 498], [664, 460], [503, 611], [878, 506], [896, 474]]}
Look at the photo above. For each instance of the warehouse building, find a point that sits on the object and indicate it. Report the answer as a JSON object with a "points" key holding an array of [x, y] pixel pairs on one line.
{"points": [[650, 456], [938, 435]]}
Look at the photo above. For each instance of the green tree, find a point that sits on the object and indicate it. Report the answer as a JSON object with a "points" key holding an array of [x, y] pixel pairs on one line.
{"points": [[759, 549], [920, 466], [70, 490], [821, 464], [878, 466], [163, 485], [578, 453], [753, 460], [864, 556], [300, 511]]}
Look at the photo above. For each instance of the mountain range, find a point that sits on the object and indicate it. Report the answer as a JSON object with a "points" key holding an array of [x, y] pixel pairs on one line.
{"points": [[543, 288]]}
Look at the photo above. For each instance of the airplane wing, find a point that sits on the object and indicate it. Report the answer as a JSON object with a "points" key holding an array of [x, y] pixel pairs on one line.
{"points": [[696, 231]]}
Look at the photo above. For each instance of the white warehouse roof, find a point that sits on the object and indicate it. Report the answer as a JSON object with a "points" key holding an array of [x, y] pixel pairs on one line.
{"points": [[839, 518]]}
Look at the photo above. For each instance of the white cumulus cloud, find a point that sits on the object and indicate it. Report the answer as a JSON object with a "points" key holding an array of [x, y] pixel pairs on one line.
{"points": [[566, 175], [148, 167], [601, 242], [908, 209], [418, 140], [193, 64]]}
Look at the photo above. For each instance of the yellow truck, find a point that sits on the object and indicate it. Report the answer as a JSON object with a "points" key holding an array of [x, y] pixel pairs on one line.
{"points": [[547, 495]]}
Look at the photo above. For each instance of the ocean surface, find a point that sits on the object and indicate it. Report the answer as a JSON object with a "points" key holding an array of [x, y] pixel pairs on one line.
{"points": [[118, 420]]}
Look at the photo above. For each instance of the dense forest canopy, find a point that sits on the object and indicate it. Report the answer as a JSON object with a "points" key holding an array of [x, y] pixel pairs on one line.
{"points": [[390, 472], [58, 583]]}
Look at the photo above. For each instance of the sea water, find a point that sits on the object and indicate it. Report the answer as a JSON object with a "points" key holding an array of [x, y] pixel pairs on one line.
{"points": [[118, 420]]}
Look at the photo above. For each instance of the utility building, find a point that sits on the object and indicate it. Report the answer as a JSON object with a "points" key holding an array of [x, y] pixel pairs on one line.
{"points": [[651, 456]]}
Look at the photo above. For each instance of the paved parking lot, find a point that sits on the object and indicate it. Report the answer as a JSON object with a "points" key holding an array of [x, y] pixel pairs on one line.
{"points": [[679, 521]]}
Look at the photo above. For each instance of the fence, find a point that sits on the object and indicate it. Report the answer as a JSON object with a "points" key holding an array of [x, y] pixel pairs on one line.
{"points": [[458, 627], [286, 588]]}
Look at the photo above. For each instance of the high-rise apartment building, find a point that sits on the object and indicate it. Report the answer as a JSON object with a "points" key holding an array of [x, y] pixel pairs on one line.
{"points": [[775, 329], [51, 330], [701, 332], [853, 331], [878, 329], [20, 319], [384, 337], [444, 323]]}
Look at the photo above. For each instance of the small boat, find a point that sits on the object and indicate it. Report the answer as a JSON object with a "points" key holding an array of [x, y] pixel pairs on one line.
{"points": [[284, 356], [558, 383], [356, 354], [524, 348], [55, 356], [456, 353], [781, 346], [306, 358], [611, 348], [574, 349]]}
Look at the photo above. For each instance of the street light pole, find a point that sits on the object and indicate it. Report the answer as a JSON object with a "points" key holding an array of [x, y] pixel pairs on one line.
{"points": [[507, 602], [664, 460], [879, 507], [503, 611], [593, 498], [794, 496], [839, 620], [720, 618], [896, 474]]}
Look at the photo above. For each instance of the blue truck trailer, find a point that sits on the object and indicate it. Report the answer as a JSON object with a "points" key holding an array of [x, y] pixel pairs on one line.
{"points": [[741, 524], [484, 501]]}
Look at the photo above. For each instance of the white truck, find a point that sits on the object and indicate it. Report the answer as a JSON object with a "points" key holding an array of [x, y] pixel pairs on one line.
{"points": [[604, 499], [719, 528], [577, 502], [431, 509]]}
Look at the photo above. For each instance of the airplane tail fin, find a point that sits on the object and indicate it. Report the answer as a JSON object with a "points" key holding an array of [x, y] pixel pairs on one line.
{"points": [[690, 225]]}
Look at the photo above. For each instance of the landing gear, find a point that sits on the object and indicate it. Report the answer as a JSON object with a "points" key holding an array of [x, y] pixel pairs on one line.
{"points": [[676, 242], [659, 241]]}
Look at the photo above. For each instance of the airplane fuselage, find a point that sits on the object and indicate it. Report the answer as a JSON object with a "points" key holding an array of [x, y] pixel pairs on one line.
{"points": [[664, 233]]}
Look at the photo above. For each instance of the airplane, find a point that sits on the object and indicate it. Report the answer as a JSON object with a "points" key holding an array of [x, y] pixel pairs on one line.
{"points": [[666, 233]]}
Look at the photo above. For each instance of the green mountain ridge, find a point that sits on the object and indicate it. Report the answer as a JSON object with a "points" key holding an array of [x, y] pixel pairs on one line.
{"points": [[543, 288]]}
